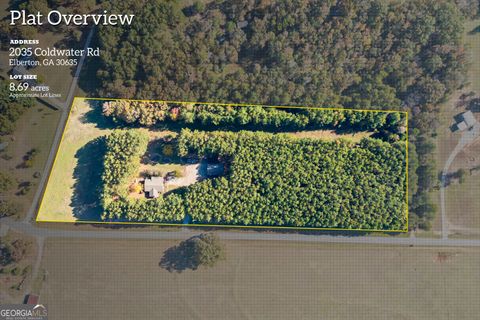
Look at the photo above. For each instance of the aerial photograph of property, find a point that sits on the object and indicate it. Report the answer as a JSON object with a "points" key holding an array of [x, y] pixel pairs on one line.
{"points": [[142, 161], [239, 159]]}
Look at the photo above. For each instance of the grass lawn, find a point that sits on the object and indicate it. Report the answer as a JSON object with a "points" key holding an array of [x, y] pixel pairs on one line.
{"points": [[162, 169], [472, 40], [34, 130], [330, 135], [446, 140], [57, 204], [261, 280], [463, 203]]}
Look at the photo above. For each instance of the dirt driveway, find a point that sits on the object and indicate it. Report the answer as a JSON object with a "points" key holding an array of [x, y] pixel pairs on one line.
{"points": [[192, 173]]}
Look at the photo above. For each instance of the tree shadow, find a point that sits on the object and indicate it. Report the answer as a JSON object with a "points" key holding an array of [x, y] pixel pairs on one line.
{"points": [[474, 105], [179, 258], [474, 30], [153, 155], [85, 200], [96, 117]]}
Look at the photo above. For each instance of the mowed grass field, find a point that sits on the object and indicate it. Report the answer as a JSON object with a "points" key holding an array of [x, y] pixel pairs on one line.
{"points": [[472, 40], [57, 200], [463, 204], [446, 140], [119, 279], [462, 201]]}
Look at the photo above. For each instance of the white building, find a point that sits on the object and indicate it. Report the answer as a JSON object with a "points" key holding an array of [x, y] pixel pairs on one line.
{"points": [[468, 121]]}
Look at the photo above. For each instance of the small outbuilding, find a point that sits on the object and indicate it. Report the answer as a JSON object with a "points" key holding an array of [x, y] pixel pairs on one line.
{"points": [[466, 121], [214, 169], [153, 187], [31, 299], [469, 119], [461, 126]]}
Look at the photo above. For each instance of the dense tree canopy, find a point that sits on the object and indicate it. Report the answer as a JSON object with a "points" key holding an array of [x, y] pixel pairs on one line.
{"points": [[124, 149], [10, 108], [146, 113], [122, 157], [368, 53], [277, 180]]}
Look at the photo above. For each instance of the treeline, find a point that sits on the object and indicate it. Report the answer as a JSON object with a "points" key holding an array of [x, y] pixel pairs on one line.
{"points": [[149, 113], [423, 177], [11, 108], [168, 209], [277, 180]]}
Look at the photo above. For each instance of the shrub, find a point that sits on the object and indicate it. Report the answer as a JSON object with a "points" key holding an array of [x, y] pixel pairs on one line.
{"points": [[6, 182], [135, 188], [178, 173], [8, 208], [168, 150]]}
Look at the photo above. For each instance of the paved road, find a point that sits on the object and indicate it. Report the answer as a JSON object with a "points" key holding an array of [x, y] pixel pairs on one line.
{"points": [[466, 138], [185, 233], [58, 134]]}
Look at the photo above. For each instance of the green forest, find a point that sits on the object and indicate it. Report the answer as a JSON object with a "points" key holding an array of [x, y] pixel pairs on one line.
{"points": [[360, 54], [391, 125], [11, 109], [278, 180], [357, 54], [271, 180]]}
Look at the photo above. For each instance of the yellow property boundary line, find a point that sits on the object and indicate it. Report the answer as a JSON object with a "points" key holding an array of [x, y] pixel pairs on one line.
{"points": [[224, 225]]}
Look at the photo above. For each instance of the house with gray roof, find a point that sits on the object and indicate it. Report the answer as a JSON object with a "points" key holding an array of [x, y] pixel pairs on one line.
{"points": [[153, 187], [467, 120]]}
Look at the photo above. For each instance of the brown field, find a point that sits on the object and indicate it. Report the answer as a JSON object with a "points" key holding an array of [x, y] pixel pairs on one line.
{"points": [[331, 135], [109, 279], [463, 206], [12, 284], [34, 130]]}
